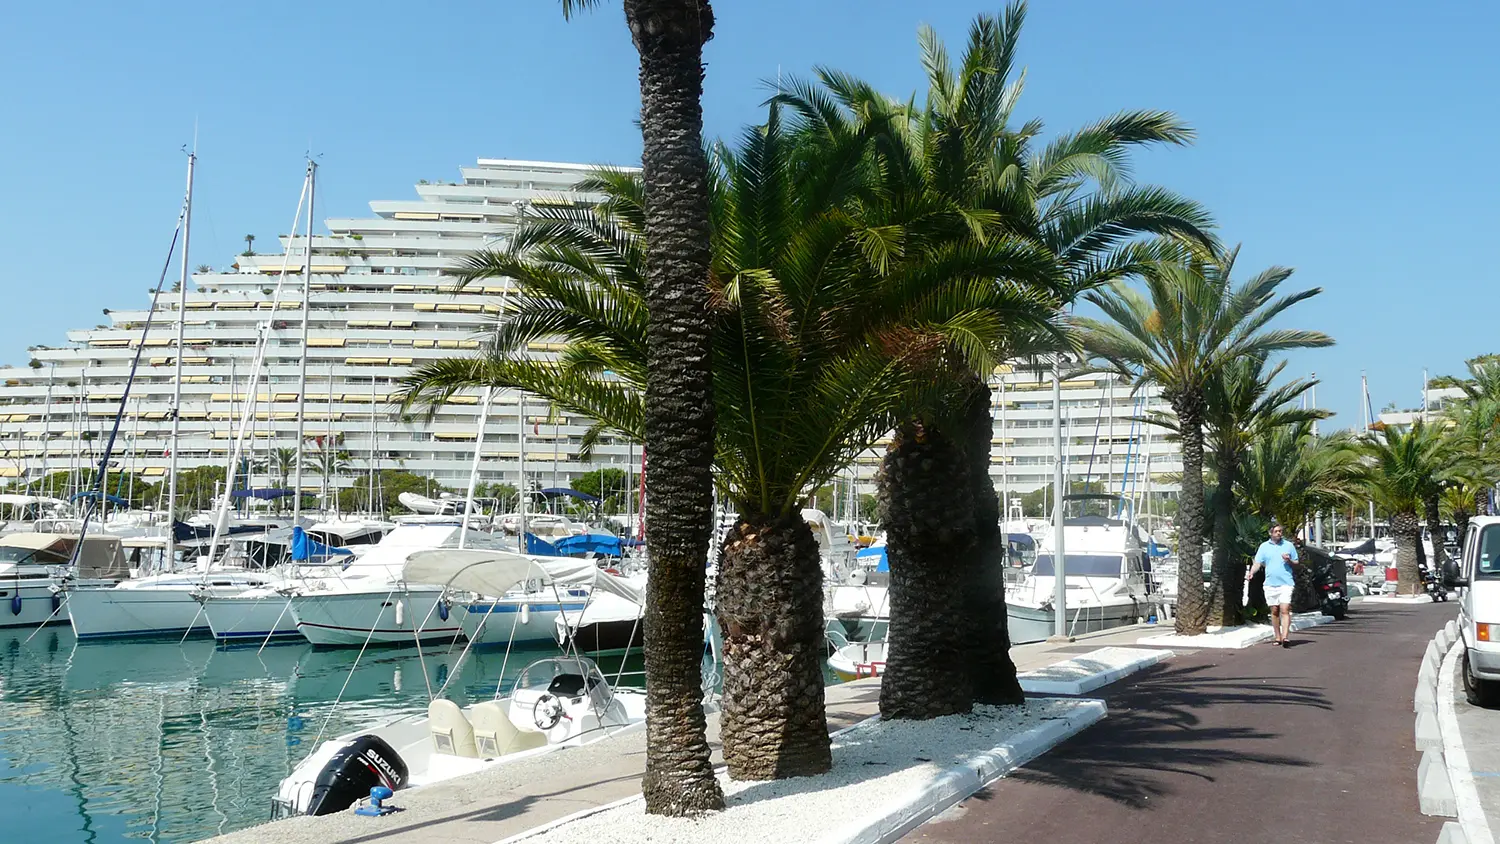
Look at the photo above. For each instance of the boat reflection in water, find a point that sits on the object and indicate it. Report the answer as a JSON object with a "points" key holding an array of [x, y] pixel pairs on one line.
{"points": [[128, 741]]}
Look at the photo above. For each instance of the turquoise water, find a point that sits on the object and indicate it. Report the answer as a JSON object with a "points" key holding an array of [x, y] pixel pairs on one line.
{"points": [[168, 742]]}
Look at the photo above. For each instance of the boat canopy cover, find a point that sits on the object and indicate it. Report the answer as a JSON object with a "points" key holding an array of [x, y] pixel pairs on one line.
{"points": [[306, 548], [94, 493], [32, 541], [493, 572], [597, 543], [262, 494], [1366, 547], [560, 491]]}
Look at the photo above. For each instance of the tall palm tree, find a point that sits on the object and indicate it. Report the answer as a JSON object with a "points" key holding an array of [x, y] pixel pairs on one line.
{"points": [[959, 155], [1408, 465], [821, 345], [678, 422], [281, 462], [1243, 402], [1186, 327]]}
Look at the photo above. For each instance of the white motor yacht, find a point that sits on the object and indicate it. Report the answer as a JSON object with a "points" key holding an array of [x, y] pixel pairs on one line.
{"points": [[35, 571], [370, 603], [1107, 573]]}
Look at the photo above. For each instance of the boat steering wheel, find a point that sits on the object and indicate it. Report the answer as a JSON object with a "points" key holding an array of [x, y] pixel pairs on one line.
{"points": [[547, 712]]}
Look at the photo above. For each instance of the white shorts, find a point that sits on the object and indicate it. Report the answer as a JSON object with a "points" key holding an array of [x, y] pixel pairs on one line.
{"points": [[1277, 595]]}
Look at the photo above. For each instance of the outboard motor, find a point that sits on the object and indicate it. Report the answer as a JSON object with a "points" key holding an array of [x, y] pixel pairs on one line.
{"points": [[365, 762]]}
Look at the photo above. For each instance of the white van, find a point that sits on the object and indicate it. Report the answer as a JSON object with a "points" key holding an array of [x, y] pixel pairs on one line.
{"points": [[1479, 610]]}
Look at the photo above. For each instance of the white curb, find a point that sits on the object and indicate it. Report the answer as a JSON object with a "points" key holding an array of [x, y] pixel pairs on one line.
{"points": [[1452, 833], [1085, 673], [1476, 826]]}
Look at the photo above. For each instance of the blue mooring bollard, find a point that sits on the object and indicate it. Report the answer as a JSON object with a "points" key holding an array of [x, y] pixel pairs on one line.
{"points": [[373, 806]]}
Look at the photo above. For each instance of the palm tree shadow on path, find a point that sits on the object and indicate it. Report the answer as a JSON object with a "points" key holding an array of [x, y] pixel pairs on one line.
{"points": [[1154, 730]]}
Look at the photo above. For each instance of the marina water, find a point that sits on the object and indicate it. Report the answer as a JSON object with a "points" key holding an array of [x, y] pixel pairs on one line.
{"points": [[166, 742]]}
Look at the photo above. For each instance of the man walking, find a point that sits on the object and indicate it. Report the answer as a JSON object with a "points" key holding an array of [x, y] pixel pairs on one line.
{"points": [[1277, 556]]}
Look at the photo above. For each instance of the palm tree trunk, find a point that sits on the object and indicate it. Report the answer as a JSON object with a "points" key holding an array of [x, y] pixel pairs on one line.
{"points": [[929, 523], [1435, 530], [1407, 531], [679, 423], [1225, 586], [1461, 516], [769, 601], [1192, 613], [991, 670]]}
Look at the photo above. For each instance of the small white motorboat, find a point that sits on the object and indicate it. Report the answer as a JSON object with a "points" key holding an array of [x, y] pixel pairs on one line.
{"points": [[556, 702]]}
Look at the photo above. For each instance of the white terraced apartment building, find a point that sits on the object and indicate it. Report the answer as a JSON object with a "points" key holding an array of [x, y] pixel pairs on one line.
{"points": [[382, 301]]}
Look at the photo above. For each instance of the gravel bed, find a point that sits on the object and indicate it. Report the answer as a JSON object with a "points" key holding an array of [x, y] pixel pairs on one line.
{"points": [[877, 765]]}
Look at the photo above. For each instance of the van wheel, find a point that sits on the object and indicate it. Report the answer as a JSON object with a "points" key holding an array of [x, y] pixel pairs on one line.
{"points": [[1479, 692]]}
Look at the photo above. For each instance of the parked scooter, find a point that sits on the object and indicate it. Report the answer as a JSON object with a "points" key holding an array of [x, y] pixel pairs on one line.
{"points": [[1433, 584]]}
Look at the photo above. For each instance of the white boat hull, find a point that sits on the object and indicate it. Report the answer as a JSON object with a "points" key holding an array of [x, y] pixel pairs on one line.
{"points": [[1035, 624], [252, 619], [351, 619], [36, 604], [103, 612], [488, 622]]}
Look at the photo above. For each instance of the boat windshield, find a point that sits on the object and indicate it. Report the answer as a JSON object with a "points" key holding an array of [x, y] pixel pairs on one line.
{"points": [[1082, 565], [40, 556]]}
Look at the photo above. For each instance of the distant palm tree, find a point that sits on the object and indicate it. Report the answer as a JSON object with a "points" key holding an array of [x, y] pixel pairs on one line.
{"points": [[1187, 326], [1243, 404], [1409, 464]]}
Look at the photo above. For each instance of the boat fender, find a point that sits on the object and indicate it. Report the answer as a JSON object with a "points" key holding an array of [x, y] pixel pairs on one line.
{"points": [[525, 613], [56, 601], [443, 610], [15, 603], [363, 763], [400, 613]]}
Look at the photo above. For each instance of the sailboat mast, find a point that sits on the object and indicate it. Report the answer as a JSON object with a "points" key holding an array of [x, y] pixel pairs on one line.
{"points": [[1366, 412], [182, 279], [312, 171]]}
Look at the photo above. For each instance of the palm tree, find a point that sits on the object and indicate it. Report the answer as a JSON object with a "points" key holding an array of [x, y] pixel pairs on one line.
{"points": [[327, 459], [1243, 403], [821, 345], [678, 423], [959, 156], [1185, 328], [1409, 464]]}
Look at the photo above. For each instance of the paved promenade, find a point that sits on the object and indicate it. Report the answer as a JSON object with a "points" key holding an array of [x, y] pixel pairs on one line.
{"points": [[1308, 744]]}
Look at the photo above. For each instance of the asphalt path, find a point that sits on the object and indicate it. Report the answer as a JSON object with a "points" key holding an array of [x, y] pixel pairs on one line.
{"points": [[1311, 743]]}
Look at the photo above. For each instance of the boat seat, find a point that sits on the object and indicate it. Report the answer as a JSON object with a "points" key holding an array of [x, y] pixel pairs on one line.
{"points": [[451, 731], [496, 735]]}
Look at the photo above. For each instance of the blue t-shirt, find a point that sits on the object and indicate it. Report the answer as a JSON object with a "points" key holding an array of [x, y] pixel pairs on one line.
{"points": [[1278, 571]]}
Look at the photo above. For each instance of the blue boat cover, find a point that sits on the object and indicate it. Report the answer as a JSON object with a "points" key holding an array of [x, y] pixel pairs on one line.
{"points": [[305, 548], [877, 551], [537, 545], [598, 543], [261, 494]]}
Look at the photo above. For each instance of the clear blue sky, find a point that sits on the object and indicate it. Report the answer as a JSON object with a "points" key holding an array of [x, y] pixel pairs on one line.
{"points": [[1351, 140]]}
